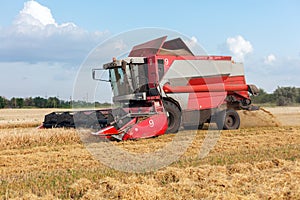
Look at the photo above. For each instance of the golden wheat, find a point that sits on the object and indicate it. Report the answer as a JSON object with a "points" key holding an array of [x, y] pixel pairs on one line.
{"points": [[250, 163], [22, 118], [29, 137]]}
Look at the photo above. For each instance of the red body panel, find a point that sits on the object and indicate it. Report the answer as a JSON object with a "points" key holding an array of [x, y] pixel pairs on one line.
{"points": [[138, 128], [153, 126], [205, 100], [210, 92], [204, 88], [238, 80]]}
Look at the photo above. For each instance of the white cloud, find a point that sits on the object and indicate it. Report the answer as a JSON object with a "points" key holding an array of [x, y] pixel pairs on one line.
{"points": [[36, 12], [35, 36], [36, 16], [41, 56], [270, 59], [239, 47]]}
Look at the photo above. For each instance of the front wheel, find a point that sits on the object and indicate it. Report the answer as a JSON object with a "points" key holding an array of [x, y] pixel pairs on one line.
{"points": [[228, 120], [174, 117]]}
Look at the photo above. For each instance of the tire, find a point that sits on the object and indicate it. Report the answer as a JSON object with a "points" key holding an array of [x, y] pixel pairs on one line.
{"points": [[228, 120], [174, 117]]}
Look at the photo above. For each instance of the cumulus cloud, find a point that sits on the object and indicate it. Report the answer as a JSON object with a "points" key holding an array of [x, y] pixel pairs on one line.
{"points": [[35, 14], [239, 47], [35, 36], [40, 55], [270, 59]]}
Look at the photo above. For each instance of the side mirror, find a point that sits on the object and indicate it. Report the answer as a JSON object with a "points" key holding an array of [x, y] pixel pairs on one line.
{"points": [[97, 74]]}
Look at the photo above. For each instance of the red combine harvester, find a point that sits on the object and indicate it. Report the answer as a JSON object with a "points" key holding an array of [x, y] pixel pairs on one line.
{"points": [[162, 86]]}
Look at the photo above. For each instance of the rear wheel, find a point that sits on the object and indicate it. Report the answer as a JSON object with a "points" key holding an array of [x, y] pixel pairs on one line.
{"points": [[228, 120], [174, 117]]}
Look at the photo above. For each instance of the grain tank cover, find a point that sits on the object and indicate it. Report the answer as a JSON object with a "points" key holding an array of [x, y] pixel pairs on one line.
{"points": [[149, 48], [175, 47], [160, 47]]}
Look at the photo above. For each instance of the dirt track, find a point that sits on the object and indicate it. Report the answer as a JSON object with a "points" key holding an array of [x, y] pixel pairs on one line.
{"points": [[255, 162]]}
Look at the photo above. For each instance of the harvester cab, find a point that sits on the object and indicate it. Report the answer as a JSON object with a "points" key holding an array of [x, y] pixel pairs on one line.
{"points": [[129, 79], [140, 111]]}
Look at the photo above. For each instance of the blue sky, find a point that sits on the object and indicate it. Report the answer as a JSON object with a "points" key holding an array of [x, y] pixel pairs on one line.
{"points": [[266, 32]]}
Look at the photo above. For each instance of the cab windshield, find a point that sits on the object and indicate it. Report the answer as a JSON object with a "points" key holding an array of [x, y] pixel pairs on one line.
{"points": [[129, 79]]}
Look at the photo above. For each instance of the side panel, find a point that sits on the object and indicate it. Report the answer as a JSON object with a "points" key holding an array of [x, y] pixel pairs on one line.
{"points": [[212, 75], [197, 68], [198, 72], [205, 100]]}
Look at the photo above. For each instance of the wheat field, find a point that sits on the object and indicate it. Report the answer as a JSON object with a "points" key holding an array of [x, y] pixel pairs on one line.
{"points": [[261, 160]]}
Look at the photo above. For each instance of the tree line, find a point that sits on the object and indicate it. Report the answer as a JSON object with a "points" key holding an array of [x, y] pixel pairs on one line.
{"points": [[282, 96], [51, 102]]}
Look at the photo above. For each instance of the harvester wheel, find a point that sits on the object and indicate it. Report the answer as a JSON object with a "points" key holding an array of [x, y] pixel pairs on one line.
{"points": [[228, 120], [174, 117]]}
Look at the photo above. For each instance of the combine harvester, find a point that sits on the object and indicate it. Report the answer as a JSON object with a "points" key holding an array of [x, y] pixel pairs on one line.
{"points": [[162, 86]]}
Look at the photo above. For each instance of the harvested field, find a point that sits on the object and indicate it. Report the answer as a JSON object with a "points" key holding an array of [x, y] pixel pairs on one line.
{"points": [[260, 161]]}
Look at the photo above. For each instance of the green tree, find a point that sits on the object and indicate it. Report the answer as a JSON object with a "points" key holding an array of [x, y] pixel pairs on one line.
{"points": [[3, 102], [20, 102], [285, 95], [13, 102], [40, 102], [298, 97], [53, 102], [263, 97], [28, 102]]}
